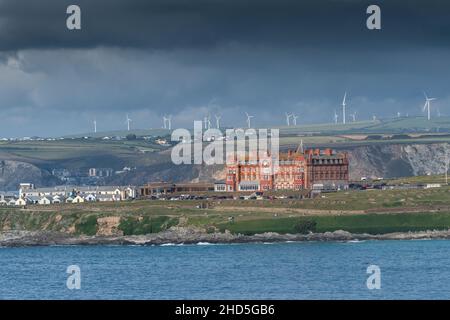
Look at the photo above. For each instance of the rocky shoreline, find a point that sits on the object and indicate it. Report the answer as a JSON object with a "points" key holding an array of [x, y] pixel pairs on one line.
{"points": [[186, 235]]}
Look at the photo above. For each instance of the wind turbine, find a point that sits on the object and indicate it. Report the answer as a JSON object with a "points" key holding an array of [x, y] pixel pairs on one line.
{"points": [[398, 114], [374, 118], [209, 121], [336, 117], [343, 107], [128, 122], [95, 125], [353, 115], [169, 122], [288, 116], [217, 121], [249, 118], [294, 119], [427, 105]]}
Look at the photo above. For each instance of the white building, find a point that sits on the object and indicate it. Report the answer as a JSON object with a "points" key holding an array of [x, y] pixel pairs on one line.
{"points": [[70, 194], [57, 199], [20, 202], [44, 201], [220, 186], [90, 198], [78, 199]]}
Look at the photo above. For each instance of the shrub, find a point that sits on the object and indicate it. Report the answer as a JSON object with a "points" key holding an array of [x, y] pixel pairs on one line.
{"points": [[305, 226], [87, 226], [131, 136]]}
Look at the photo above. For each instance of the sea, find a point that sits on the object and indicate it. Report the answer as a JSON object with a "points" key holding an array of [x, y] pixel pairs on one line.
{"points": [[407, 269]]}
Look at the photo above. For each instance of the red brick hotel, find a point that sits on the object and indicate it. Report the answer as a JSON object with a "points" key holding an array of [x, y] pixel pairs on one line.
{"points": [[297, 170]]}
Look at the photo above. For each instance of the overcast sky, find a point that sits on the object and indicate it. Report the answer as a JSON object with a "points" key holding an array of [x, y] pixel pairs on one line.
{"points": [[188, 58]]}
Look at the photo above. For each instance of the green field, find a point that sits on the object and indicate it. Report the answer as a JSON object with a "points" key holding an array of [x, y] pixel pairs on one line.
{"points": [[369, 223], [383, 126], [122, 133], [73, 153], [79, 153]]}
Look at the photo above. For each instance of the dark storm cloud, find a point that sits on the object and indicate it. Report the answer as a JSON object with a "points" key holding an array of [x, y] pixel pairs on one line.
{"points": [[169, 24], [193, 57]]}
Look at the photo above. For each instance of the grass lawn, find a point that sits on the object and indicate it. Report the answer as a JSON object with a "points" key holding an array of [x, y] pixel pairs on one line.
{"points": [[371, 223], [374, 211]]}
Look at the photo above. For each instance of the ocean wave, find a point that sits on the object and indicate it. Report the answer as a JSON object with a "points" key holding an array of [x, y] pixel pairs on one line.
{"points": [[204, 244]]}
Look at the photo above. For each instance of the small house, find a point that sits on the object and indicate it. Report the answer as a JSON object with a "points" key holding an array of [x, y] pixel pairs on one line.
{"points": [[78, 199], [69, 200], [90, 198], [44, 201], [32, 199], [20, 202]]}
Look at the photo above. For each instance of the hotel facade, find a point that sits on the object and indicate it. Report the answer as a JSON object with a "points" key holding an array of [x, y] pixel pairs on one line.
{"points": [[310, 169]]}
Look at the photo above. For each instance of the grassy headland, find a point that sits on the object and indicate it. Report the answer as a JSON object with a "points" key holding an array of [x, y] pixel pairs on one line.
{"points": [[374, 212]]}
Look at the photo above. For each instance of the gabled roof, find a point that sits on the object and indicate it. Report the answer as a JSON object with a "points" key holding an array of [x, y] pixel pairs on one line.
{"points": [[33, 198]]}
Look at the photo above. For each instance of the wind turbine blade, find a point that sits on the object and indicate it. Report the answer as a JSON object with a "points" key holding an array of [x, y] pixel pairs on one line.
{"points": [[425, 105]]}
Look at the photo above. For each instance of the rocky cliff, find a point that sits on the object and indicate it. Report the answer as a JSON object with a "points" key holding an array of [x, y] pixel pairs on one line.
{"points": [[378, 160], [372, 160], [14, 172], [397, 160]]}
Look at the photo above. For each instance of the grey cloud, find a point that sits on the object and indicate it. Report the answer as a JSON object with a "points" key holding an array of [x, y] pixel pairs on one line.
{"points": [[171, 24], [147, 58]]}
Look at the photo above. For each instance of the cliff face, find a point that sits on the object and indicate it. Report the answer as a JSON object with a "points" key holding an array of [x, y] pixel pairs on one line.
{"points": [[380, 160], [397, 160], [377, 160], [14, 172]]}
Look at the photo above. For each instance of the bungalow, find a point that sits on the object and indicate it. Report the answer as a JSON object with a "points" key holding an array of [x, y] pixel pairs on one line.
{"points": [[56, 199], [29, 190], [44, 201], [90, 198], [78, 199], [32, 199], [20, 202], [79, 194], [111, 191]]}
